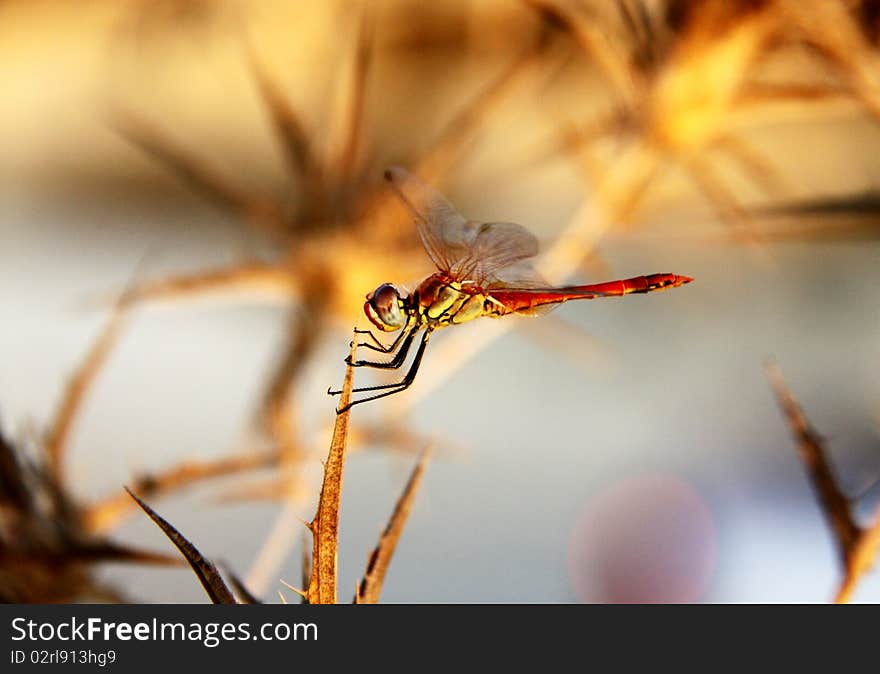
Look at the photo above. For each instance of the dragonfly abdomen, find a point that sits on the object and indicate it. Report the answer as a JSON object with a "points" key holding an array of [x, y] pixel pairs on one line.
{"points": [[523, 301]]}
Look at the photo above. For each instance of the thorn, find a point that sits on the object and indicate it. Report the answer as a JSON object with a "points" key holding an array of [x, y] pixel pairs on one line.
{"points": [[301, 593], [281, 596]]}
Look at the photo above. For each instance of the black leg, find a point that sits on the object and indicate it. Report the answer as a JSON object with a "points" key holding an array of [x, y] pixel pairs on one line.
{"points": [[377, 344], [393, 364], [395, 388], [380, 347], [396, 361]]}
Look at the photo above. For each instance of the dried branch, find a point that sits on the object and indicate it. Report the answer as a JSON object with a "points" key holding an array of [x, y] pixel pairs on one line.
{"points": [[58, 433], [325, 525], [371, 585], [458, 135], [104, 514], [244, 276], [277, 408], [755, 165], [597, 43], [813, 453], [861, 559], [289, 129], [260, 212], [305, 572], [857, 547], [241, 591], [205, 571], [353, 145], [850, 217]]}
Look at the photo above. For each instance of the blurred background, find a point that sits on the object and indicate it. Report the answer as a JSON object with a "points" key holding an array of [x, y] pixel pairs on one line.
{"points": [[221, 161]]}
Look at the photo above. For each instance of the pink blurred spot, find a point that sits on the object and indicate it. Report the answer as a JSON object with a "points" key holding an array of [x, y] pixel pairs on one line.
{"points": [[647, 539]]}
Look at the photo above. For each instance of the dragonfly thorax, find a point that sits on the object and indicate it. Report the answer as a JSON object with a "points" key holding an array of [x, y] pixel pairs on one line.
{"points": [[385, 308]]}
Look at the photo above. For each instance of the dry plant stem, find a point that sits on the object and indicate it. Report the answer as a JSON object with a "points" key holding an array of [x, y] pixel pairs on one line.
{"points": [[105, 514], [258, 275], [262, 214], [861, 560], [597, 44], [205, 571], [849, 218], [723, 201], [305, 572], [277, 408], [58, 433], [350, 153], [288, 126], [857, 547], [459, 133], [755, 165], [812, 452], [90, 553], [325, 525], [241, 591], [371, 585]]}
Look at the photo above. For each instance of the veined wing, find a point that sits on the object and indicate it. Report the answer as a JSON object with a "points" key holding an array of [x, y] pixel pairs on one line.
{"points": [[520, 277], [469, 251], [439, 224], [493, 247]]}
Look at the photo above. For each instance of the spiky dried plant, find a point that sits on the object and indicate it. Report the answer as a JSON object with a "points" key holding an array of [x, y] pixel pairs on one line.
{"points": [[51, 540], [682, 80], [857, 546], [319, 571], [47, 551]]}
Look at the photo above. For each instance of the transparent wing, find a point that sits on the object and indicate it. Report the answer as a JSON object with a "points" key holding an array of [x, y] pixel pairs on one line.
{"points": [[492, 247], [469, 251], [441, 227], [522, 276]]}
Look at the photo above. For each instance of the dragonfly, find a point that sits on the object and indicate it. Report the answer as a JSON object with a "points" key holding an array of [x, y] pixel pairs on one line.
{"points": [[483, 269]]}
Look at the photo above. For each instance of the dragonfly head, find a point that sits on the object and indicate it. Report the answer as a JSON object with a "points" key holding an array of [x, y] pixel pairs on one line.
{"points": [[384, 307]]}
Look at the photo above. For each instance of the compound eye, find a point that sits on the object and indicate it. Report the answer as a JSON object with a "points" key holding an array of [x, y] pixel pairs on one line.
{"points": [[385, 305]]}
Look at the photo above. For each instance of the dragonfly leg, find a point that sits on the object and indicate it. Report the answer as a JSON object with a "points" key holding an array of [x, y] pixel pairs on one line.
{"points": [[396, 361], [402, 385], [377, 343], [392, 364], [379, 346]]}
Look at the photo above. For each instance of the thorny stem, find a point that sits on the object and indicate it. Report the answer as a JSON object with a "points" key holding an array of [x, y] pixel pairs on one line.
{"points": [[857, 547]]}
